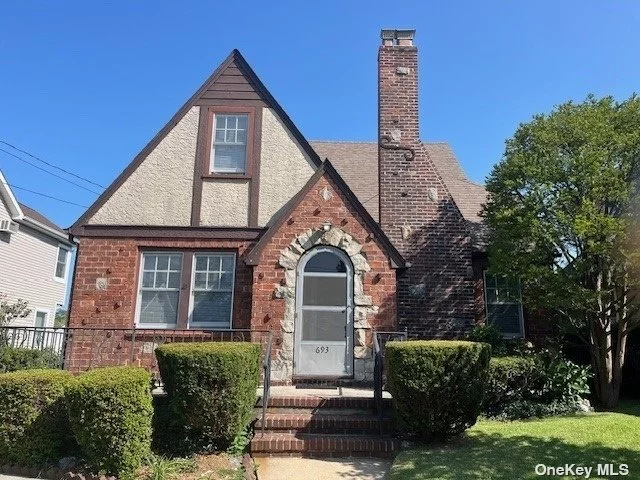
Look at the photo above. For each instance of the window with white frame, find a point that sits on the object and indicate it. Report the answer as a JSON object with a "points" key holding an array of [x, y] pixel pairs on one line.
{"points": [[159, 289], [212, 289], [229, 143], [504, 304], [61, 263]]}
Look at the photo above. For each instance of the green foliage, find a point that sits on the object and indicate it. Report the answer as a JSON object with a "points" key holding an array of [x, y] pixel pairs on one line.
{"points": [[34, 428], [437, 385], [536, 385], [563, 216], [110, 414], [12, 310], [13, 359], [240, 442], [163, 468], [211, 390]]}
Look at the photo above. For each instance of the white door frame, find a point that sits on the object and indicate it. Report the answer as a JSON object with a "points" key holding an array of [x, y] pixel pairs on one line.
{"points": [[299, 364]]}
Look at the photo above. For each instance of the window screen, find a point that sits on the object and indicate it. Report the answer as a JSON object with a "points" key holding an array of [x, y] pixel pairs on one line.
{"points": [[229, 145], [160, 288]]}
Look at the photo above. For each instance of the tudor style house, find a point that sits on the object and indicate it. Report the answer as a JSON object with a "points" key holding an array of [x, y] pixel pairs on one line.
{"points": [[35, 255], [230, 218]]}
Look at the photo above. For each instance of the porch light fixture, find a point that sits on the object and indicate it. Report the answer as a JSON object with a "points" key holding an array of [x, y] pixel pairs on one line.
{"points": [[326, 226]]}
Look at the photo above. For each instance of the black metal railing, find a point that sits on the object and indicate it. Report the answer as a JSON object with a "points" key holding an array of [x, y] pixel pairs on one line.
{"points": [[81, 348], [266, 386], [380, 339]]}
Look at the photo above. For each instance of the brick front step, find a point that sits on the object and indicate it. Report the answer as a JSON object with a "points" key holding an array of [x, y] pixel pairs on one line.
{"points": [[323, 402], [323, 445], [308, 422]]}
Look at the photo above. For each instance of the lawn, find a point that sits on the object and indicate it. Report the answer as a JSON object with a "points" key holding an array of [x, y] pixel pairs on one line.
{"points": [[511, 450]]}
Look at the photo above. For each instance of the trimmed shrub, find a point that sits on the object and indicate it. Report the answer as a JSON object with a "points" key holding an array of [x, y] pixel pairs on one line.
{"points": [[437, 385], [13, 359], [110, 414], [534, 386], [211, 392], [34, 428]]}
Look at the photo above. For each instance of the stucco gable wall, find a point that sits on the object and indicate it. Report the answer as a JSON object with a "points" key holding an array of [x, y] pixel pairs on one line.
{"points": [[159, 191], [284, 167]]}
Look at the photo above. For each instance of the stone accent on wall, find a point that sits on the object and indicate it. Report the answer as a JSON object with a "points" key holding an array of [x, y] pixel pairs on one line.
{"points": [[282, 366], [274, 278]]}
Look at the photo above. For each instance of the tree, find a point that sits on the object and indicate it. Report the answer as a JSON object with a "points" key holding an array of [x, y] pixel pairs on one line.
{"points": [[62, 317], [563, 215], [10, 311]]}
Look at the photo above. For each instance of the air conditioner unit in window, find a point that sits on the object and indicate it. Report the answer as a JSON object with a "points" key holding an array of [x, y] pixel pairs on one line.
{"points": [[8, 226]]}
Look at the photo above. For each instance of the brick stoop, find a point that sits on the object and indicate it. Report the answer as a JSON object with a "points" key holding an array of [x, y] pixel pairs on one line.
{"points": [[323, 427]]}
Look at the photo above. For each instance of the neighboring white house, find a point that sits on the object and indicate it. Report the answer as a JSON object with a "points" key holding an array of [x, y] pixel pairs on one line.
{"points": [[34, 259]]}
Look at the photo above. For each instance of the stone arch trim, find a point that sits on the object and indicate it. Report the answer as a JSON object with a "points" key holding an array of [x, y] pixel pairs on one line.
{"points": [[282, 368]]}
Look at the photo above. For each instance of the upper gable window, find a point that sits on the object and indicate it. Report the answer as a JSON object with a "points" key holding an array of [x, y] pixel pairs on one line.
{"points": [[229, 143]]}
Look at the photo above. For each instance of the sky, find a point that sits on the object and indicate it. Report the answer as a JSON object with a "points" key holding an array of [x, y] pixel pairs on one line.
{"points": [[85, 85]]}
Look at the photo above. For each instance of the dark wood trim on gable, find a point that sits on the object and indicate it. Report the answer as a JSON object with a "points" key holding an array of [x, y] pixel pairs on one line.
{"points": [[161, 231], [196, 197], [235, 72], [254, 195]]}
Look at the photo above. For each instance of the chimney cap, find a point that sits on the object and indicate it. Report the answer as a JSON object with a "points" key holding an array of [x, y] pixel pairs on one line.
{"points": [[397, 36]]}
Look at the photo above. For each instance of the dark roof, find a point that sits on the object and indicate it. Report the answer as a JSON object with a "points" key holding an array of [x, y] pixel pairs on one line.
{"points": [[253, 256], [40, 218], [357, 163]]}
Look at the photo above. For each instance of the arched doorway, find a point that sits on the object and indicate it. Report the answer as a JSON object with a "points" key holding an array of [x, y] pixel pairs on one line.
{"points": [[324, 314]]}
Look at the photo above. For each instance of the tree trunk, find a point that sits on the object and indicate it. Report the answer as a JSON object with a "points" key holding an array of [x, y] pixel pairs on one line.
{"points": [[607, 360]]}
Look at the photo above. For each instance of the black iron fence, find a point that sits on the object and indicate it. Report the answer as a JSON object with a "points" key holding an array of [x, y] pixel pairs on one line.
{"points": [[77, 348]]}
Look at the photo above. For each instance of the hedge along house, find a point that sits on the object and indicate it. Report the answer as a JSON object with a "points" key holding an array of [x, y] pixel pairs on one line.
{"points": [[230, 218]]}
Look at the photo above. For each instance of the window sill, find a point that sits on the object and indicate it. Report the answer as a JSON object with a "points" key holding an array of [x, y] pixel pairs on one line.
{"points": [[228, 176]]}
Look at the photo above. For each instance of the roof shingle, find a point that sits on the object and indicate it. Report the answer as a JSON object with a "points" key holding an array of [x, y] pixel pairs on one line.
{"points": [[357, 163]]}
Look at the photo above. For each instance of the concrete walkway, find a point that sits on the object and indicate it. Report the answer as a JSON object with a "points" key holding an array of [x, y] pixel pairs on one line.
{"points": [[294, 468]]}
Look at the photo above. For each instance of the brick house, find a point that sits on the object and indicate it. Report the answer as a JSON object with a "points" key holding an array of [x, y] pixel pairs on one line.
{"points": [[230, 218]]}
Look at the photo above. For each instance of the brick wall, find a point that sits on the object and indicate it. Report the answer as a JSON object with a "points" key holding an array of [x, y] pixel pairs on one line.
{"points": [[268, 310], [435, 295], [115, 262]]}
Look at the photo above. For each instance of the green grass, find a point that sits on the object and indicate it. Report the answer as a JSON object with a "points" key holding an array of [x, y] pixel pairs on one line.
{"points": [[510, 450]]}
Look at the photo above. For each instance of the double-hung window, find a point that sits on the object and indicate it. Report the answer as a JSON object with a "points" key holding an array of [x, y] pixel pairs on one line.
{"points": [[229, 143], [504, 304], [186, 289], [61, 263], [212, 289], [159, 289]]}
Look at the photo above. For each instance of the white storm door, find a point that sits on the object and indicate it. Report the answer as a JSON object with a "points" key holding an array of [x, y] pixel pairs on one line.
{"points": [[324, 328]]}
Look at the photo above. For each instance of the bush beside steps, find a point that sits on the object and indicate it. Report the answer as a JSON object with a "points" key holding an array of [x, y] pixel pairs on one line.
{"points": [[437, 385], [211, 391]]}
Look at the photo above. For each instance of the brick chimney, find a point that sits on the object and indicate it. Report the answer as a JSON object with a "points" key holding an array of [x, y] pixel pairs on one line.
{"points": [[417, 212]]}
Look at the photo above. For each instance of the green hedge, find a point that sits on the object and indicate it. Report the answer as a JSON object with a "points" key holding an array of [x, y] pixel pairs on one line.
{"points": [[211, 389], [34, 428], [535, 385], [437, 385], [110, 413], [13, 359]]}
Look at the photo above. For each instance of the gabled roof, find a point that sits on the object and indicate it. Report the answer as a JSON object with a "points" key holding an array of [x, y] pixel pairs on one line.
{"points": [[9, 199], [21, 213], [357, 162], [235, 58], [253, 256]]}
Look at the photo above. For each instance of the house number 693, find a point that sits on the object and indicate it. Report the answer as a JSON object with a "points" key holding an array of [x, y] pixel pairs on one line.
{"points": [[322, 350]]}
